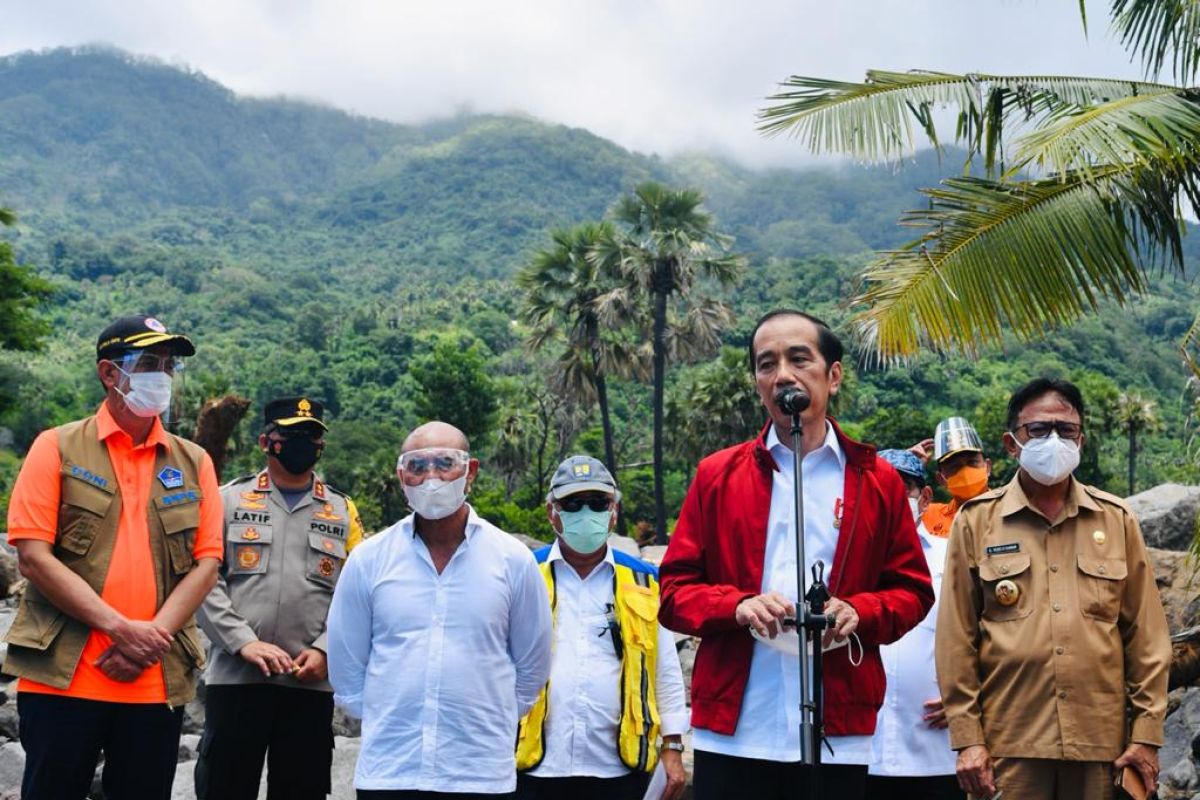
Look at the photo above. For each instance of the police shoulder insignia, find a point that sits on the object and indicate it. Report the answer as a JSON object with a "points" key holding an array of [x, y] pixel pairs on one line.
{"points": [[170, 478], [264, 482], [319, 490]]}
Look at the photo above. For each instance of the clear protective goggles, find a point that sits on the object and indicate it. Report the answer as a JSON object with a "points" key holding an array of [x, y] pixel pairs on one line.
{"points": [[445, 462], [149, 361]]}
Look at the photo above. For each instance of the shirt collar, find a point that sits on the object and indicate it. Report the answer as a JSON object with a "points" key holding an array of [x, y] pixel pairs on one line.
{"points": [[1015, 499], [107, 426], [831, 444], [408, 524]]}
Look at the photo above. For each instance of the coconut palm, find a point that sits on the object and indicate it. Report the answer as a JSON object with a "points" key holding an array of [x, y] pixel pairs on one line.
{"points": [[568, 300], [1081, 185], [664, 245], [1136, 414]]}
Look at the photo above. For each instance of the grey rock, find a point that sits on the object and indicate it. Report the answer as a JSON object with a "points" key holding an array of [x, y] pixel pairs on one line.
{"points": [[184, 787], [193, 716], [1179, 780], [9, 721], [625, 545], [1167, 514], [653, 553], [189, 746], [344, 724], [9, 574], [345, 758], [12, 765], [528, 541]]}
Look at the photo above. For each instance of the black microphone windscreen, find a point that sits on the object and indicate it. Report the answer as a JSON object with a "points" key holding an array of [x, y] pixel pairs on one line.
{"points": [[792, 400]]}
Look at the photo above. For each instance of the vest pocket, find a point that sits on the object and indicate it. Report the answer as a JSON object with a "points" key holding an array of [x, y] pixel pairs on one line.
{"points": [[325, 557], [643, 617], [179, 523], [84, 507], [189, 640], [36, 625]]}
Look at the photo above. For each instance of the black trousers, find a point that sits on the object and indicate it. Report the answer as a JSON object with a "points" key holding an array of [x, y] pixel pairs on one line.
{"points": [[412, 794], [63, 738], [292, 728], [932, 787], [721, 777], [626, 787]]}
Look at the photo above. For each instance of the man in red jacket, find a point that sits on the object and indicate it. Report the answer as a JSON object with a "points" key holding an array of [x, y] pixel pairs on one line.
{"points": [[731, 569]]}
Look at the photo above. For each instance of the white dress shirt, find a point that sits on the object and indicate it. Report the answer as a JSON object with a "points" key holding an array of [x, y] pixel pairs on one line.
{"points": [[769, 724], [585, 701], [439, 667], [904, 745]]}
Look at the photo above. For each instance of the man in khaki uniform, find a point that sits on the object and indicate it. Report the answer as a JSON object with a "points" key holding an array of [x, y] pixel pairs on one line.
{"points": [[287, 534], [1050, 623]]}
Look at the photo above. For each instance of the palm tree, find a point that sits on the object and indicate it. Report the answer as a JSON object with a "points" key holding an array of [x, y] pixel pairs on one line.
{"points": [[1082, 185], [1136, 414], [568, 297], [666, 244]]}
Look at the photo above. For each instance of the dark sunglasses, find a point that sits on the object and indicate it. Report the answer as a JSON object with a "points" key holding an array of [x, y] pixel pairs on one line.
{"points": [[1040, 430], [575, 502]]}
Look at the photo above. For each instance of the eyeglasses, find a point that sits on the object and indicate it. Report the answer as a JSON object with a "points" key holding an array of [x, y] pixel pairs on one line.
{"points": [[419, 463], [575, 502], [1041, 429]]}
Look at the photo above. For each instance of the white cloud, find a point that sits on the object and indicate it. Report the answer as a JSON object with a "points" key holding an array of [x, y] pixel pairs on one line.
{"points": [[658, 76]]}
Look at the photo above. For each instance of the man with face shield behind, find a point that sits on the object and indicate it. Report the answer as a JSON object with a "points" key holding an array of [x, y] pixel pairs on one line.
{"points": [[1052, 646], [961, 468], [439, 636], [117, 525], [616, 682], [287, 534]]}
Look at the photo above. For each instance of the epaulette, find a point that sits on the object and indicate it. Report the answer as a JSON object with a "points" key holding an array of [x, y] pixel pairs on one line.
{"points": [[337, 491], [1107, 497], [990, 494], [241, 479]]}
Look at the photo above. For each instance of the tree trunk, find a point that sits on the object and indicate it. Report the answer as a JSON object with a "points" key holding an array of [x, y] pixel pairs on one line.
{"points": [[215, 424], [610, 456], [661, 289], [1132, 456]]}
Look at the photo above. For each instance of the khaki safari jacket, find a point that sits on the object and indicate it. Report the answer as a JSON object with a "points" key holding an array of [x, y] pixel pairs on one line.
{"points": [[277, 581], [1048, 673]]}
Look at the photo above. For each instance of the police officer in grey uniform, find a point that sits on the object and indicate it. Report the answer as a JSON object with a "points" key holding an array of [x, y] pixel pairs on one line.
{"points": [[287, 535]]}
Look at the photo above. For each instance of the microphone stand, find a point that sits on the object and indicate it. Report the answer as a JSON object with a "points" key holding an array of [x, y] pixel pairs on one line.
{"points": [[810, 621]]}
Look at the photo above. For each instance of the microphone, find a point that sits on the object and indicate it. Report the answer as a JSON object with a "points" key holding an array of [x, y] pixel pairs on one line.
{"points": [[792, 400]]}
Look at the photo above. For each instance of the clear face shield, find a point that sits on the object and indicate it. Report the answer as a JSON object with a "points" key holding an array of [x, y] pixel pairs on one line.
{"points": [[954, 435], [152, 383]]}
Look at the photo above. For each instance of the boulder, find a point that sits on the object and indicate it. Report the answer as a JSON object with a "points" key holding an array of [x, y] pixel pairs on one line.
{"points": [[528, 541], [345, 758], [189, 747], [653, 553], [625, 545], [9, 722], [12, 765], [1167, 514], [9, 574], [184, 787], [1175, 574]]}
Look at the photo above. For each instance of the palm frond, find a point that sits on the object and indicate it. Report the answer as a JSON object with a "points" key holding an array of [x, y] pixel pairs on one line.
{"points": [[874, 120], [1160, 127], [1190, 344], [1161, 31], [1031, 255]]}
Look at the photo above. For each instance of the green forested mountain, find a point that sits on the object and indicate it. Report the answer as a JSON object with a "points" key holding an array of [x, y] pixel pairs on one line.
{"points": [[315, 251]]}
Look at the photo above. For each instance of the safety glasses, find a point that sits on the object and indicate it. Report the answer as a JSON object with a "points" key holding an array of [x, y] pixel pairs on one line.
{"points": [[442, 461], [574, 502]]}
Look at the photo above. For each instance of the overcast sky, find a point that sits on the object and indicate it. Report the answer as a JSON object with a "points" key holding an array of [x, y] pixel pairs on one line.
{"points": [[662, 76]]}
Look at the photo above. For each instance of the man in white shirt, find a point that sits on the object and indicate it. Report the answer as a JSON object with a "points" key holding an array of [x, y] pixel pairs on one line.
{"points": [[911, 758], [439, 637], [616, 683]]}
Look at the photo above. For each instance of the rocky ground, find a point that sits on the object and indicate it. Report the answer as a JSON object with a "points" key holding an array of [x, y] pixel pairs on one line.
{"points": [[1169, 517]]}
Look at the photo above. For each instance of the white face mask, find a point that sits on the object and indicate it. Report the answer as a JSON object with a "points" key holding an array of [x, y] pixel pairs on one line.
{"points": [[436, 498], [1049, 460], [149, 393], [912, 506]]}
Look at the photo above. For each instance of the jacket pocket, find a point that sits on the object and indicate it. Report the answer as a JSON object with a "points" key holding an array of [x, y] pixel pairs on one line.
{"points": [[84, 507], [36, 625], [189, 641], [248, 549], [1002, 577], [1101, 583], [325, 557], [180, 521]]}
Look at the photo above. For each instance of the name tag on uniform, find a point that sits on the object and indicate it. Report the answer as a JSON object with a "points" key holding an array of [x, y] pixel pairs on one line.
{"points": [[1000, 549]]}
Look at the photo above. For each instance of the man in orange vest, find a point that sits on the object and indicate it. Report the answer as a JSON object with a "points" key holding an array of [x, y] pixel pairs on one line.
{"points": [[117, 525], [961, 468]]}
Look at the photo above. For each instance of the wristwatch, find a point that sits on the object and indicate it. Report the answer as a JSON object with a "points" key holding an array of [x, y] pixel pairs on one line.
{"points": [[676, 746]]}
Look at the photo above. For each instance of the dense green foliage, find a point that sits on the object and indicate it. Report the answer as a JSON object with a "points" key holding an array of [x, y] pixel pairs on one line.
{"points": [[371, 265]]}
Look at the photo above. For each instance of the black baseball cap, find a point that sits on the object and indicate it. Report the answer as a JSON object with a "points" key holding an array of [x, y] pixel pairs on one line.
{"points": [[136, 332], [288, 411]]}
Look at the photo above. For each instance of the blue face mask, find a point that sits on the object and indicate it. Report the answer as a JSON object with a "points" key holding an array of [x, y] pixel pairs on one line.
{"points": [[585, 531]]}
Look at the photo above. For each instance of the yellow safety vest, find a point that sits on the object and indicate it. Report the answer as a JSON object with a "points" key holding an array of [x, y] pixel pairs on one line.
{"points": [[635, 592]]}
